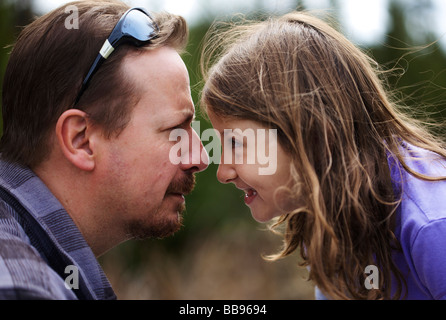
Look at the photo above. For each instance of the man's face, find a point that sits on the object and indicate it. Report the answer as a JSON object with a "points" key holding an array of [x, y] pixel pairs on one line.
{"points": [[142, 189]]}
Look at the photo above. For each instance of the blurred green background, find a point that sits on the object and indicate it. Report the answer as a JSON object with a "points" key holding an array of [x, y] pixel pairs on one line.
{"points": [[218, 253]]}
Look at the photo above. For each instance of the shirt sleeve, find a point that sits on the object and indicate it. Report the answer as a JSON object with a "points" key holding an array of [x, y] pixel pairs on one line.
{"points": [[429, 258]]}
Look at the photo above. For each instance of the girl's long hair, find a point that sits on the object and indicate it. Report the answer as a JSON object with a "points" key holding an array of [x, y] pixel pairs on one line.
{"points": [[334, 116]]}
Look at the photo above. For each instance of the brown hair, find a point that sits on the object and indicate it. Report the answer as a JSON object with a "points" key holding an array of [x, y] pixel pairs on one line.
{"points": [[324, 96], [48, 64]]}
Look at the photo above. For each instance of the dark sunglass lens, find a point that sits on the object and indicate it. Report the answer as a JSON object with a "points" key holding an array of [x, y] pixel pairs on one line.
{"points": [[139, 26], [135, 26]]}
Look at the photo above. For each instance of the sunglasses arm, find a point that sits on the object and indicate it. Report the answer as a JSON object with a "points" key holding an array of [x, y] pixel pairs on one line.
{"points": [[105, 52]]}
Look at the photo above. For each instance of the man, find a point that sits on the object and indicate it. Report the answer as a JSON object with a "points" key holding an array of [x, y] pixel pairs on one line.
{"points": [[85, 151]]}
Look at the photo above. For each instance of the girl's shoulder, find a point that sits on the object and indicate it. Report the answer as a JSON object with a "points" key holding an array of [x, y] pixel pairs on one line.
{"points": [[423, 202]]}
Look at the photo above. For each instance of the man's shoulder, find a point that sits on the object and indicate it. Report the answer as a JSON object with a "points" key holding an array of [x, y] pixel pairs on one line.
{"points": [[24, 274]]}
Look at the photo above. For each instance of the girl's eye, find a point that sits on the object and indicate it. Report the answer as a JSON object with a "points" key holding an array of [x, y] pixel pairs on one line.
{"points": [[235, 143]]}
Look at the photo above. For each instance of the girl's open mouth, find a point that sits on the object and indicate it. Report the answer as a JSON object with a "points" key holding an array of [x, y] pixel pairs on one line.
{"points": [[250, 195]]}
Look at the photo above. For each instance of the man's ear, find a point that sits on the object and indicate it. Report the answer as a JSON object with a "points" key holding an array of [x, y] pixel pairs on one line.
{"points": [[74, 140]]}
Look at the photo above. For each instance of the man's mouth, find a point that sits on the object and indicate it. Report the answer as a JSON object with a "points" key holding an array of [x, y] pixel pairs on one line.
{"points": [[177, 194], [182, 187], [250, 195]]}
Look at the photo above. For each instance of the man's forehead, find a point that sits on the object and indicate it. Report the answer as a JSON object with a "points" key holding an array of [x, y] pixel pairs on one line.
{"points": [[156, 70]]}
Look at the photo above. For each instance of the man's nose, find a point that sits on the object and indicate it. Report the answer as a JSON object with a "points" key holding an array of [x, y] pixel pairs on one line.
{"points": [[197, 157]]}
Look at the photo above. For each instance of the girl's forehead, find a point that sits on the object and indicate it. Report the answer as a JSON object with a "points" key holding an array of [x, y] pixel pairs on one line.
{"points": [[222, 123]]}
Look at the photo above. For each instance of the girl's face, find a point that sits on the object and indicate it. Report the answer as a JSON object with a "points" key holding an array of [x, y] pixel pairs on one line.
{"points": [[256, 164]]}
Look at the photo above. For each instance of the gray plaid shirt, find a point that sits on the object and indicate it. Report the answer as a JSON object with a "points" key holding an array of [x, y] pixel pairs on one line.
{"points": [[43, 255]]}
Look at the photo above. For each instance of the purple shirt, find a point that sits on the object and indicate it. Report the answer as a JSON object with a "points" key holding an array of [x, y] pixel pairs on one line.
{"points": [[421, 224]]}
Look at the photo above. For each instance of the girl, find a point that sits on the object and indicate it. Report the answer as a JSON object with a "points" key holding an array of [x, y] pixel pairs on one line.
{"points": [[360, 187]]}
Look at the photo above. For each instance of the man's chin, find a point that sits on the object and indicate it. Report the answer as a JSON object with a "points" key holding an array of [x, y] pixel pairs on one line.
{"points": [[163, 224]]}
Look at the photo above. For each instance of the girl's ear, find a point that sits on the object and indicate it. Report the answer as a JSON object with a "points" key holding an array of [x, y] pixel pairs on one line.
{"points": [[74, 140]]}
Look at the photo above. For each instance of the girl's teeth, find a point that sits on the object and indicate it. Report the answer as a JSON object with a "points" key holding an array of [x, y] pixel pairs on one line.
{"points": [[250, 195]]}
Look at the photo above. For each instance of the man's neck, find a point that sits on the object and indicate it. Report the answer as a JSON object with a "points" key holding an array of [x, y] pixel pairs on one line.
{"points": [[75, 194]]}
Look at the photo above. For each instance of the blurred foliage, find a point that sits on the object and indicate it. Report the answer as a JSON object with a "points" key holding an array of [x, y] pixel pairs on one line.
{"points": [[417, 59], [13, 15], [216, 211]]}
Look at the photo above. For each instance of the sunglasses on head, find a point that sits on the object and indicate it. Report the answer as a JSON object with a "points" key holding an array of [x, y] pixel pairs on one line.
{"points": [[135, 27]]}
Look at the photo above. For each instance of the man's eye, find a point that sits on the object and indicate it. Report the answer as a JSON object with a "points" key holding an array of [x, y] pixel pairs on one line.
{"points": [[178, 126]]}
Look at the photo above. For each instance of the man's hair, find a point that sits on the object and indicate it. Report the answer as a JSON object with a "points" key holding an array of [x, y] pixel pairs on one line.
{"points": [[48, 64]]}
